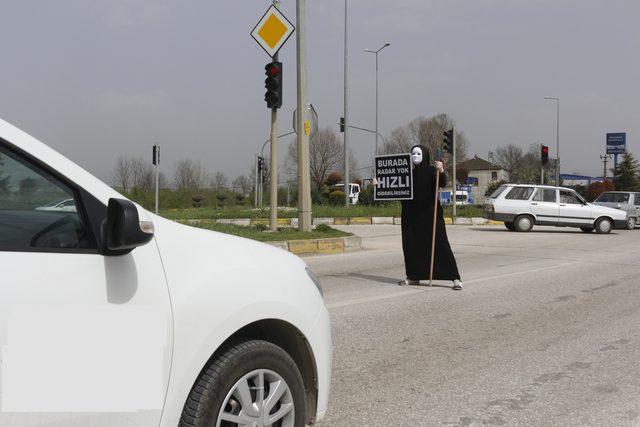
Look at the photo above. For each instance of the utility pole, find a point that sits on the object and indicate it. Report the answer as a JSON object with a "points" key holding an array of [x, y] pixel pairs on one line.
{"points": [[605, 158], [273, 157], [304, 178], [346, 115], [454, 193]]}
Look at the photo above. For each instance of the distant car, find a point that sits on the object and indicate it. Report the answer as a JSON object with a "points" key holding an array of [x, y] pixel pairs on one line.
{"points": [[66, 205], [354, 191], [522, 206], [625, 200]]}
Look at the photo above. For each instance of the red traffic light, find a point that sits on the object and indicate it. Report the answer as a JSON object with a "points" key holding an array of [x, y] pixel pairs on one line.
{"points": [[272, 69], [544, 154]]}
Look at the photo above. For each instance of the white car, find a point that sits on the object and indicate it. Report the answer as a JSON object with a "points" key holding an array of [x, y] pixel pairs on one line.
{"points": [[113, 316], [521, 206]]}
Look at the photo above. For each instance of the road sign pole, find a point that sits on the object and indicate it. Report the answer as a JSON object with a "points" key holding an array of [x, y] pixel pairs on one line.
{"points": [[454, 195], [273, 185], [304, 178]]}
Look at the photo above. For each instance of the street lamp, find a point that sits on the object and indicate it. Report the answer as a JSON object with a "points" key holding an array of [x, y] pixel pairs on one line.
{"points": [[376, 52], [553, 98]]}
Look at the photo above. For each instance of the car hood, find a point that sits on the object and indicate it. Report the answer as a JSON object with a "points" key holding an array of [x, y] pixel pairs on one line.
{"points": [[613, 205], [598, 209]]}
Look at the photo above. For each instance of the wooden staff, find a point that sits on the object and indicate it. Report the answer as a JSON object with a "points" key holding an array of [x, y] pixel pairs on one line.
{"points": [[435, 218]]}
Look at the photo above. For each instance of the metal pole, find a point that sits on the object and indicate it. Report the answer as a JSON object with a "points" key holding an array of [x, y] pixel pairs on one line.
{"points": [[377, 102], [304, 178], [273, 185], [558, 143], [346, 114], [455, 185], [542, 167], [255, 183], [157, 177]]}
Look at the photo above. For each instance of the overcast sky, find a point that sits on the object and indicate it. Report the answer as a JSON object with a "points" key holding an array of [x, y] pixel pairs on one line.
{"points": [[99, 79]]}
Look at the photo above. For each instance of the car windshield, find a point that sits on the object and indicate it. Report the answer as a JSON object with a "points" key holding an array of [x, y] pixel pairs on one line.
{"points": [[613, 198]]}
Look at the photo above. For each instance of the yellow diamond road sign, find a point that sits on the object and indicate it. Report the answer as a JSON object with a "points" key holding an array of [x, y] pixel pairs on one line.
{"points": [[272, 31]]}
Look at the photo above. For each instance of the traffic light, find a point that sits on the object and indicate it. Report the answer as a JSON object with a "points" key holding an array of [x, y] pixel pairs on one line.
{"points": [[260, 164], [273, 84], [341, 124], [448, 141], [156, 155], [544, 155]]}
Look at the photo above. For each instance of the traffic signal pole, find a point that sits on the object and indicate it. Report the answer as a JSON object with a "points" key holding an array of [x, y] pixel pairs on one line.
{"points": [[273, 159], [346, 180], [453, 154]]}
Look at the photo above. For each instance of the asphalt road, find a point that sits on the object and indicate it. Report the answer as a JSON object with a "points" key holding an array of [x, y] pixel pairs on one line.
{"points": [[545, 332]]}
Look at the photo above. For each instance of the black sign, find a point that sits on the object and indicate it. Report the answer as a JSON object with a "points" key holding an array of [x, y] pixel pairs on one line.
{"points": [[394, 180]]}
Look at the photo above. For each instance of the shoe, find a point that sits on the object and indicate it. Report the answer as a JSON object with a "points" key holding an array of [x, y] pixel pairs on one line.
{"points": [[457, 285], [409, 282]]}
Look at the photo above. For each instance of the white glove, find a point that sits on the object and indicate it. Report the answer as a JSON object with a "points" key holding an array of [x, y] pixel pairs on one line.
{"points": [[440, 166], [375, 181]]}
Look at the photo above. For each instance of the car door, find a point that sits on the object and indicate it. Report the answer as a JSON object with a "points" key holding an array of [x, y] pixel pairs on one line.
{"points": [[572, 210], [636, 204], [85, 339], [544, 206]]}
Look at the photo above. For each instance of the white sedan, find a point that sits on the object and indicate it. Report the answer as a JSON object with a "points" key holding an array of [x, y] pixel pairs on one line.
{"points": [[521, 206], [113, 316]]}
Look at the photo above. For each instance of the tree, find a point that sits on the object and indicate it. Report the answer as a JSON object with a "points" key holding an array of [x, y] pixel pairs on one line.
{"points": [[242, 184], [626, 174], [325, 154], [219, 181], [189, 175], [334, 178], [594, 190], [426, 131], [122, 175], [462, 174], [523, 167]]}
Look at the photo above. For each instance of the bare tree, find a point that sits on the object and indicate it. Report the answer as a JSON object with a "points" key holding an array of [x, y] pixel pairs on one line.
{"points": [[325, 155], [122, 175], [219, 181], [189, 175], [523, 167], [142, 174], [242, 184], [427, 132]]}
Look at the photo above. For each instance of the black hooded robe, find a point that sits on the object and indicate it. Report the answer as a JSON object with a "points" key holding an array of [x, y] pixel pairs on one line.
{"points": [[417, 227]]}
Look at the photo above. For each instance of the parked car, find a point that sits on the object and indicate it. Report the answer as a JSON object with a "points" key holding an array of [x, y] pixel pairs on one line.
{"points": [[521, 206], [628, 201], [112, 316]]}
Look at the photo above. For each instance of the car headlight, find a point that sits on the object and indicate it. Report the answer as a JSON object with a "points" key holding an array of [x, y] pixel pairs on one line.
{"points": [[315, 280]]}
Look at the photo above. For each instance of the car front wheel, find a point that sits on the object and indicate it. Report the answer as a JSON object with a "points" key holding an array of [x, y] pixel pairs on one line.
{"points": [[603, 226], [523, 223], [250, 383]]}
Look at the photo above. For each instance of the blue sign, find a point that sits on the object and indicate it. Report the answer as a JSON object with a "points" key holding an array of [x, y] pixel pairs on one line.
{"points": [[471, 180], [616, 143]]}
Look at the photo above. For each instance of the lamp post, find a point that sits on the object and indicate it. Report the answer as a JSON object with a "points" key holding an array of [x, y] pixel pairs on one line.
{"points": [[377, 52], [553, 98]]}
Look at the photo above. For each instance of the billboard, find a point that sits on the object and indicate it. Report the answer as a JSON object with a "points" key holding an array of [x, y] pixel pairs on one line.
{"points": [[617, 143]]}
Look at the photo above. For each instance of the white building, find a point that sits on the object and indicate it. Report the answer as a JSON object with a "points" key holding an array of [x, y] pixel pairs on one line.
{"points": [[481, 174]]}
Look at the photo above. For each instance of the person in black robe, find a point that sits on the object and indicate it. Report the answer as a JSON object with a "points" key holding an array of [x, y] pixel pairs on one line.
{"points": [[417, 226]]}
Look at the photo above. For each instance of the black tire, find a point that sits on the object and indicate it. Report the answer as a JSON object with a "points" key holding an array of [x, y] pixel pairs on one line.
{"points": [[210, 390], [631, 223], [603, 226], [523, 223], [509, 226], [586, 229]]}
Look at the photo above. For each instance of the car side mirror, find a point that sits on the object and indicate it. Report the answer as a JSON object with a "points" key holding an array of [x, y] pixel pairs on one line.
{"points": [[123, 231]]}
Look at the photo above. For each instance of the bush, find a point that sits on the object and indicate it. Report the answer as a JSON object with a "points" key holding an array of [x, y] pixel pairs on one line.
{"points": [[366, 196], [594, 190], [334, 178], [337, 198], [197, 200]]}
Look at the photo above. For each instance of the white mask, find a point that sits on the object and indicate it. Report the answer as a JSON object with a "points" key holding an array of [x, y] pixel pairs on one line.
{"points": [[416, 156]]}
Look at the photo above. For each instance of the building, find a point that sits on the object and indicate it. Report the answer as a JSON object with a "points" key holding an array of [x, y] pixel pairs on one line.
{"points": [[481, 174], [570, 180]]}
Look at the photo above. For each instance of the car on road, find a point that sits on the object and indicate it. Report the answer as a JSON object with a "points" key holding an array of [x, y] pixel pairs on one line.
{"points": [[521, 206], [627, 201], [112, 316]]}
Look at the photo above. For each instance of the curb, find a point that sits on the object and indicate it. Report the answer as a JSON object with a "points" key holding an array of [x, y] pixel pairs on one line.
{"points": [[356, 220], [334, 245]]}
